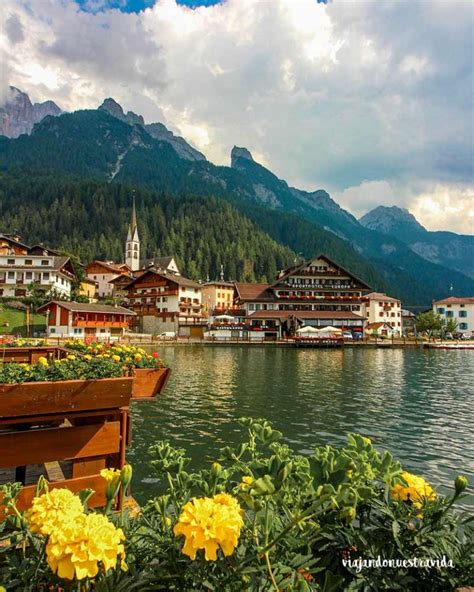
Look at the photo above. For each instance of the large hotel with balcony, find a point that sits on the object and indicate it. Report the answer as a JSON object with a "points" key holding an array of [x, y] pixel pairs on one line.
{"points": [[317, 293]]}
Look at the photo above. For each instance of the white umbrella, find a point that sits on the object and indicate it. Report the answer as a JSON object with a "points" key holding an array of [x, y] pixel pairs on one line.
{"points": [[224, 317], [330, 330], [307, 329]]}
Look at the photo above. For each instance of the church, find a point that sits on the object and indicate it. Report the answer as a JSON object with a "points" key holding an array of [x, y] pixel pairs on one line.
{"points": [[111, 278]]}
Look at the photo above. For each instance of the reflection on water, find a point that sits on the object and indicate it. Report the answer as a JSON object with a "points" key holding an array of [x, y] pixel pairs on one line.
{"points": [[415, 403]]}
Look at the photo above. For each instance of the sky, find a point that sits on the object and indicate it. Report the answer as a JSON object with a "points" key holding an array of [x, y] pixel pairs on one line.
{"points": [[371, 101]]}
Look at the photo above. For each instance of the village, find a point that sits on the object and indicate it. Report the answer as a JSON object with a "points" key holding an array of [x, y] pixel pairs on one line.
{"points": [[314, 301]]}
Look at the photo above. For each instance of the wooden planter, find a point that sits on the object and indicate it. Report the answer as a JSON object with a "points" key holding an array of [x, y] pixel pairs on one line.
{"points": [[65, 396], [31, 355], [149, 382]]}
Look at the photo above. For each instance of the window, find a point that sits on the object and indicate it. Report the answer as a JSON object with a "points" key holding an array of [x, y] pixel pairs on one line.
{"points": [[450, 314], [463, 313], [463, 326], [77, 331], [11, 275], [46, 276], [10, 261], [103, 330], [52, 330], [28, 276], [28, 261], [440, 310], [44, 262]]}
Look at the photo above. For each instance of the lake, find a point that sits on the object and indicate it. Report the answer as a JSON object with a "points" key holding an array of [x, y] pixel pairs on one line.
{"points": [[416, 403]]}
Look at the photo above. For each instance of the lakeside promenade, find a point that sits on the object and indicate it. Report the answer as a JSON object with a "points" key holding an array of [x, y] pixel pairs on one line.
{"points": [[370, 342]]}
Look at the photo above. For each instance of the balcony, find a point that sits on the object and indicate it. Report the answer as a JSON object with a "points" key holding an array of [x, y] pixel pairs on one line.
{"points": [[151, 292], [110, 324]]}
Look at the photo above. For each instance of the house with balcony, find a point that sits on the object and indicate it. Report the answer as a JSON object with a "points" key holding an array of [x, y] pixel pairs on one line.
{"points": [[86, 321], [380, 308], [165, 301], [22, 265], [460, 310], [317, 292], [102, 273]]}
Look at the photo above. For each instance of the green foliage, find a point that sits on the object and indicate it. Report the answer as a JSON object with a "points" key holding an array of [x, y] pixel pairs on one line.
{"points": [[90, 219], [306, 520], [428, 322], [65, 369]]}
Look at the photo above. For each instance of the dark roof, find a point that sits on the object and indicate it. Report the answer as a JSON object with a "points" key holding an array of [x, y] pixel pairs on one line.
{"points": [[173, 277], [82, 307], [296, 268], [254, 292], [305, 314], [157, 261], [121, 278]]}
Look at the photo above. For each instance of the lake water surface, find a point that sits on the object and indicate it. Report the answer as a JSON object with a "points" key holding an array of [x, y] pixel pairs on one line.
{"points": [[416, 403]]}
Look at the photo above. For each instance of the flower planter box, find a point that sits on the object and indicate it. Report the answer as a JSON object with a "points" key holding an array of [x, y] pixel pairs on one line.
{"points": [[31, 355], [40, 398], [149, 382]]}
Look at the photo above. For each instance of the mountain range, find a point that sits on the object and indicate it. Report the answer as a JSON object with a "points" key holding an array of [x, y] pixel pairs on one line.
{"points": [[18, 114], [387, 246]]}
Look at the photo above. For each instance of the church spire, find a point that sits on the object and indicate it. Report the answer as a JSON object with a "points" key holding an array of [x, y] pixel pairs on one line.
{"points": [[132, 244], [133, 223]]}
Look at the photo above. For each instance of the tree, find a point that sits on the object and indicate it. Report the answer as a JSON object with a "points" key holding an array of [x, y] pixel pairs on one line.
{"points": [[36, 296], [428, 322], [450, 326]]}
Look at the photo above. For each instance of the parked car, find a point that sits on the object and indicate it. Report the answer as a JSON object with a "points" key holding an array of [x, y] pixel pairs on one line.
{"points": [[167, 335], [347, 335], [448, 335], [461, 336]]}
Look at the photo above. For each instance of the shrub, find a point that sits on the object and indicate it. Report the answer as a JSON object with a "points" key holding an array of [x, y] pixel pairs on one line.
{"points": [[263, 518]]}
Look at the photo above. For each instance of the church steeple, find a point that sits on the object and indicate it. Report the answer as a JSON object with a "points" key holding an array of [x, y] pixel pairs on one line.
{"points": [[132, 244]]}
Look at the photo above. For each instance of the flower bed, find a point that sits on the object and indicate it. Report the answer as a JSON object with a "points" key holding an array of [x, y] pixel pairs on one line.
{"points": [[262, 519], [149, 370]]}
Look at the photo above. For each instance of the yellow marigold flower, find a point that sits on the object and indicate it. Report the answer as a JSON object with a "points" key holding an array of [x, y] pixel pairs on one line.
{"points": [[415, 491], [209, 523], [50, 510], [246, 482], [43, 361], [110, 474], [87, 357], [3, 589], [138, 357], [71, 357], [83, 545], [116, 358]]}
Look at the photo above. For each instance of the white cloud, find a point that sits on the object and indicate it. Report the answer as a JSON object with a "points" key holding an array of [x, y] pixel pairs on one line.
{"points": [[444, 207], [365, 98]]}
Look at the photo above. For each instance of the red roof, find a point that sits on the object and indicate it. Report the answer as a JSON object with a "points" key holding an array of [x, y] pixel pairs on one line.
{"points": [[377, 325], [254, 292], [456, 300]]}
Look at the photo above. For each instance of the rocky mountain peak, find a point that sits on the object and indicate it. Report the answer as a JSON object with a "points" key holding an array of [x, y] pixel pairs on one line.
{"points": [[389, 219], [238, 152], [113, 108], [18, 115]]}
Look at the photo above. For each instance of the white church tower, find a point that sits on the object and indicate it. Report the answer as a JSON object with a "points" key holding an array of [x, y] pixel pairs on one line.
{"points": [[132, 244]]}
